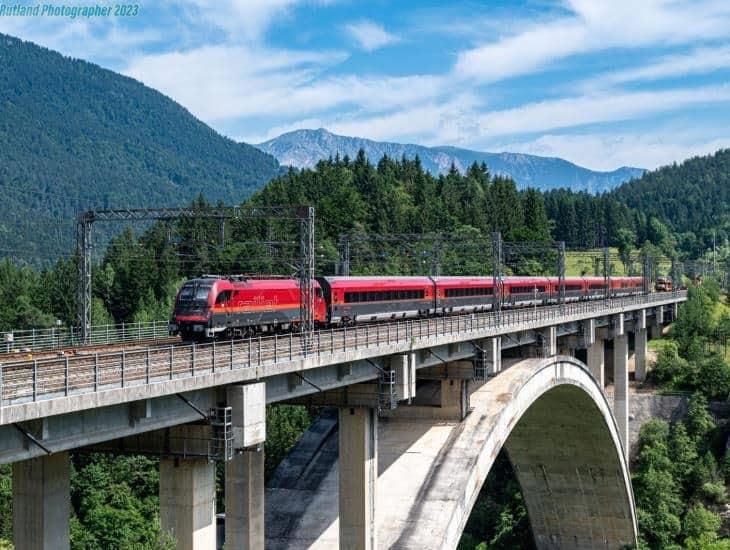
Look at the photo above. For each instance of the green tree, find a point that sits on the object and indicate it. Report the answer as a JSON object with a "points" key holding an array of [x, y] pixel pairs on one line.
{"points": [[6, 503], [698, 421], [699, 522], [683, 452], [695, 319], [655, 487], [625, 241], [537, 226]]}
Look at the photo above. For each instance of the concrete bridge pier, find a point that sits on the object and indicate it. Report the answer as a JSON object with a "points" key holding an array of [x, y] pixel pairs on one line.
{"points": [[358, 476], [454, 399], [187, 502], [620, 364], [596, 361], [492, 354], [245, 499], [658, 324], [41, 502], [547, 342], [244, 490], [592, 340], [640, 338]]}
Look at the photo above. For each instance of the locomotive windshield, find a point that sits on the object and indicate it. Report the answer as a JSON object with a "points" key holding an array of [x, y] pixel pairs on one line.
{"points": [[194, 294]]}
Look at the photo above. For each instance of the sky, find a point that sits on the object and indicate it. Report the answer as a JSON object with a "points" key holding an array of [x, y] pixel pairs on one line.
{"points": [[600, 83]]}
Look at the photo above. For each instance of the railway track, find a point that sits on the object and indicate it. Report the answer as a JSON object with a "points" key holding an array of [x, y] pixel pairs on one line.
{"points": [[120, 365], [72, 351], [131, 365]]}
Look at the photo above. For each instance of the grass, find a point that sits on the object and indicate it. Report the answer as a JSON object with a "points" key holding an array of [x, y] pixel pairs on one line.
{"points": [[659, 344], [721, 308], [583, 263]]}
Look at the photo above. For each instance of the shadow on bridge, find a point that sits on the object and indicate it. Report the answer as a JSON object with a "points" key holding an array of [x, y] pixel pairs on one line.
{"points": [[549, 415]]}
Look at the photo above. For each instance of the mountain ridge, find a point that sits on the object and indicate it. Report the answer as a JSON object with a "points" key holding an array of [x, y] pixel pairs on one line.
{"points": [[77, 136], [303, 148]]}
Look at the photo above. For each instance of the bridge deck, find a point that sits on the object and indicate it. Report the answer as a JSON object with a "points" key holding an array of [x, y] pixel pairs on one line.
{"points": [[34, 389]]}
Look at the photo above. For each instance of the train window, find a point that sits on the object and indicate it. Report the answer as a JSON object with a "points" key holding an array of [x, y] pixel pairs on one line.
{"points": [[526, 289], [201, 294], [385, 295], [186, 292], [472, 291], [223, 297], [521, 289], [597, 287], [570, 288]]}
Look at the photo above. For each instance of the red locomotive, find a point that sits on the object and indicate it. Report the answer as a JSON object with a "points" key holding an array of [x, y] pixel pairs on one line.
{"points": [[215, 306]]}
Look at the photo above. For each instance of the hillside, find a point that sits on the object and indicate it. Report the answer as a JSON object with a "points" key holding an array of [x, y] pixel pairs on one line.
{"points": [[76, 136], [692, 198], [303, 148]]}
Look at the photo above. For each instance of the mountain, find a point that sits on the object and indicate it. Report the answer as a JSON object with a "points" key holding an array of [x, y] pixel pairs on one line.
{"points": [[303, 148], [692, 199], [75, 136]]}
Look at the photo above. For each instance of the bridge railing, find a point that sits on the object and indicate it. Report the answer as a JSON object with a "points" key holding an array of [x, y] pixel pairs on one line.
{"points": [[63, 337], [91, 371]]}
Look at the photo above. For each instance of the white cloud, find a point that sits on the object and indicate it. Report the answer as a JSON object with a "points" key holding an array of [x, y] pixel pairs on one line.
{"points": [[607, 152], [97, 40], [424, 123], [595, 26], [428, 123], [590, 109], [242, 19], [370, 36], [460, 122], [699, 61], [221, 82]]}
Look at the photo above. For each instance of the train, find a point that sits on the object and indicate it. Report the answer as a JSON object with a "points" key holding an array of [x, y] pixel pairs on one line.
{"points": [[214, 306], [663, 284]]}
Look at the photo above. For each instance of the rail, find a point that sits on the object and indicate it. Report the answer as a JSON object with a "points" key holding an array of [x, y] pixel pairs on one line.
{"points": [[64, 337], [41, 379]]}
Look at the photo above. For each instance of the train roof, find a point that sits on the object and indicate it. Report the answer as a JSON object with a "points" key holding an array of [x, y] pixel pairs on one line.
{"points": [[375, 281], [524, 279], [454, 279], [223, 283]]}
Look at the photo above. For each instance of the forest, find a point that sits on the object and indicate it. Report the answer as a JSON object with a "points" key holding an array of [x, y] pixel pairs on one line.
{"points": [[135, 278], [75, 137]]}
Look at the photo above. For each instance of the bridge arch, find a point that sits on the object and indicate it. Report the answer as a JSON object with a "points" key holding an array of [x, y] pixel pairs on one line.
{"points": [[562, 440], [557, 428]]}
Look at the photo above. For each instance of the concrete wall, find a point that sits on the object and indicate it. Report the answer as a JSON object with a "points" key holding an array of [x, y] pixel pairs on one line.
{"points": [[644, 407]]}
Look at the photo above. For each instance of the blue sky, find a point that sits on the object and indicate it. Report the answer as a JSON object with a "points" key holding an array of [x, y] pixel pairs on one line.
{"points": [[600, 83]]}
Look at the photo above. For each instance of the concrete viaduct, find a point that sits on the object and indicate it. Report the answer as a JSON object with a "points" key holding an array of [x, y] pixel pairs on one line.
{"points": [[424, 408]]}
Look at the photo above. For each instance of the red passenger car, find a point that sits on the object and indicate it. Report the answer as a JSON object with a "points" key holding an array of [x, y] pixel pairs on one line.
{"points": [[626, 286], [363, 299], [463, 294], [524, 291]]}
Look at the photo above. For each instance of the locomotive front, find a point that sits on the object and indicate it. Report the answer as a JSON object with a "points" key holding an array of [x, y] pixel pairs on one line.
{"points": [[192, 313]]}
